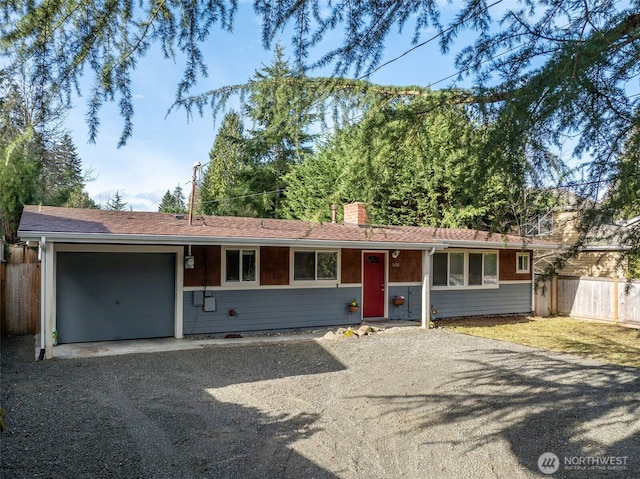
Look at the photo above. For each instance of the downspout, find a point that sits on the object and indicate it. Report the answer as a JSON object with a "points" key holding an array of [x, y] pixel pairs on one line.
{"points": [[43, 281], [532, 274], [426, 287]]}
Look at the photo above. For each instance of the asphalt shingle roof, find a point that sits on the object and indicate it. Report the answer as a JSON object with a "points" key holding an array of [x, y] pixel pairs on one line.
{"points": [[101, 224]]}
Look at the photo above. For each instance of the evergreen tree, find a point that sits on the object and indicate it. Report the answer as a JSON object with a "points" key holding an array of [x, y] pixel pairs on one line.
{"points": [[179, 200], [280, 117], [22, 147], [226, 187], [547, 74], [413, 165], [246, 171], [39, 163], [18, 174], [62, 173], [115, 203], [79, 198], [173, 202]]}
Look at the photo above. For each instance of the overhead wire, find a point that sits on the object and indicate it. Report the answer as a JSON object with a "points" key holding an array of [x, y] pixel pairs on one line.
{"points": [[429, 40], [398, 57]]}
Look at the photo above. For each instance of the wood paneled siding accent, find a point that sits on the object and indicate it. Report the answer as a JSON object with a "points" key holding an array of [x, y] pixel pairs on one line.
{"points": [[507, 264], [510, 298], [207, 271], [406, 268], [274, 265], [270, 309], [351, 266], [412, 307]]}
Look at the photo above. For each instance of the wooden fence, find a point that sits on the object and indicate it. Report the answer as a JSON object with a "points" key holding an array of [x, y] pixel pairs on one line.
{"points": [[20, 291], [607, 299]]}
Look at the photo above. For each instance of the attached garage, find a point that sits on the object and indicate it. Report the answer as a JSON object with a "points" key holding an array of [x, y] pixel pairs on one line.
{"points": [[102, 296]]}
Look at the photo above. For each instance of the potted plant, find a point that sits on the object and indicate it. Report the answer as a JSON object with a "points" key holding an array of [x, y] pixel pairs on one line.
{"points": [[398, 300], [353, 305]]}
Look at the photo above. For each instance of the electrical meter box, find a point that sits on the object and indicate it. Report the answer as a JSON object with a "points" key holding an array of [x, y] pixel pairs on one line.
{"points": [[209, 304]]}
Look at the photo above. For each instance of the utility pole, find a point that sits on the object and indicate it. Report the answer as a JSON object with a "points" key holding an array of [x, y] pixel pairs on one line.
{"points": [[193, 191]]}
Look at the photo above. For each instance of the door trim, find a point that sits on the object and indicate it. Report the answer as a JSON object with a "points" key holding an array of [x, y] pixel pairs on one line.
{"points": [[385, 254]]}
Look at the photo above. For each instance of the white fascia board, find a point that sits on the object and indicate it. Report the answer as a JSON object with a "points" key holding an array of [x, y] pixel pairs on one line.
{"points": [[499, 245], [208, 240]]}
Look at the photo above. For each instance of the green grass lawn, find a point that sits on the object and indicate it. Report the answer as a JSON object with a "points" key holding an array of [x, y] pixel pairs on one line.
{"points": [[593, 339]]}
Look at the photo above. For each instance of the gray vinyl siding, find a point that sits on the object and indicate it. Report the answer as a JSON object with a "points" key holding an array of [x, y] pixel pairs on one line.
{"points": [[270, 309], [411, 310], [509, 298], [113, 296]]}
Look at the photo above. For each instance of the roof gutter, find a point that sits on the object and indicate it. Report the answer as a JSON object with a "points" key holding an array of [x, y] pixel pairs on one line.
{"points": [[235, 241], [595, 248], [500, 245]]}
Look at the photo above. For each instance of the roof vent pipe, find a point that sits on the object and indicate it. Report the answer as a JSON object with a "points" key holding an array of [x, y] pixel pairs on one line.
{"points": [[334, 213]]}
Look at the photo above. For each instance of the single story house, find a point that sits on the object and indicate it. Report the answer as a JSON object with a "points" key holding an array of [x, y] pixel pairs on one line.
{"points": [[110, 275]]}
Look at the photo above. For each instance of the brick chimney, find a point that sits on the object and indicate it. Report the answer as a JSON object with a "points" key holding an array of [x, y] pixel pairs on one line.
{"points": [[356, 213]]}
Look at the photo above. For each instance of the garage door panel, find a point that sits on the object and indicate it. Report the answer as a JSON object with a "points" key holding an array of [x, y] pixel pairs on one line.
{"points": [[105, 296]]}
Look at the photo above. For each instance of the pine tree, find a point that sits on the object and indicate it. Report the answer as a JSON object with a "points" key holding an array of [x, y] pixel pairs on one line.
{"points": [[414, 166], [62, 172], [547, 74], [115, 203], [224, 189], [246, 173], [173, 202]]}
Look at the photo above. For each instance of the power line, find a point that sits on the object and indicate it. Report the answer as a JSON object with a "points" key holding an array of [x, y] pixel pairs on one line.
{"points": [[278, 190], [436, 36]]}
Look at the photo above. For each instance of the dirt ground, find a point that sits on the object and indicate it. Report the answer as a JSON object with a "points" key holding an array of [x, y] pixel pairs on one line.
{"points": [[403, 403]]}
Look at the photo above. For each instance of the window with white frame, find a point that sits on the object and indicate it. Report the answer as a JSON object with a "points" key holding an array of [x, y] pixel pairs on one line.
{"points": [[315, 265], [465, 268], [522, 263], [541, 225], [240, 265]]}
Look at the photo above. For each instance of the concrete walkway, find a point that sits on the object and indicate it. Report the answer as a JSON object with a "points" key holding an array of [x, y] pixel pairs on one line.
{"points": [[133, 346]]}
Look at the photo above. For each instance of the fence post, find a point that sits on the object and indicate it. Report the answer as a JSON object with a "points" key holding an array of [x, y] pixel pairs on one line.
{"points": [[615, 300]]}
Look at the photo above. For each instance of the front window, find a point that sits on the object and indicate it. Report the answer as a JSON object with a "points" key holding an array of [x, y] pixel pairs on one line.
{"points": [[456, 269], [522, 263], [240, 265], [490, 272], [440, 269], [459, 269], [315, 265]]}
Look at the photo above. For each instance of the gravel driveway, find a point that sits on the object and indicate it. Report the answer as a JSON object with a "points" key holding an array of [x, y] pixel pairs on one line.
{"points": [[402, 403]]}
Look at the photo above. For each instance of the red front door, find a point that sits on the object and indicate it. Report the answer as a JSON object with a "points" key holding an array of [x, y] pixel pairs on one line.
{"points": [[373, 293]]}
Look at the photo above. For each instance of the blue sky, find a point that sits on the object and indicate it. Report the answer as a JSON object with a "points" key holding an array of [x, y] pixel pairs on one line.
{"points": [[163, 149]]}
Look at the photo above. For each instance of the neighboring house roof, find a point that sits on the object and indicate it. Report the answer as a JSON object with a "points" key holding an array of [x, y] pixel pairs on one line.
{"points": [[606, 237], [630, 222], [101, 226], [612, 236]]}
